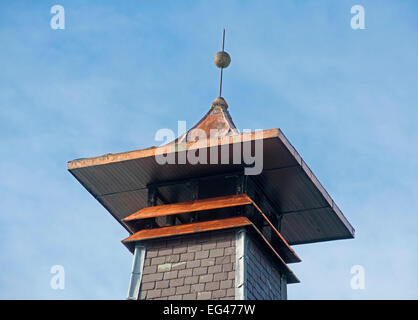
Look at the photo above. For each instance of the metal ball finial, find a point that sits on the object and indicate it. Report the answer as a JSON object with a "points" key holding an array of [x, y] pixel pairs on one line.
{"points": [[222, 59]]}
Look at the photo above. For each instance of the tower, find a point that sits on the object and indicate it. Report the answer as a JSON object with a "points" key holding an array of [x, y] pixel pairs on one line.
{"points": [[213, 213]]}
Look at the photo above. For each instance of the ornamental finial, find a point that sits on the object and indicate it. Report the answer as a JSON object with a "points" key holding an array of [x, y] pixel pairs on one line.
{"points": [[222, 60]]}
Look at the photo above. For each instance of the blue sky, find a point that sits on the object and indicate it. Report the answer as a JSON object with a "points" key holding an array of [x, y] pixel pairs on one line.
{"points": [[121, 70]]}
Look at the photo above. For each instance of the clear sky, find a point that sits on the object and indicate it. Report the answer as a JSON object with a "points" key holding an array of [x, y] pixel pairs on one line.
{"points": [[121, 70]]}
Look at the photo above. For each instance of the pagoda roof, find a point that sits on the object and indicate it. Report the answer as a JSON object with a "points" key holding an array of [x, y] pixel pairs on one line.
{"points": [[119, 181]]}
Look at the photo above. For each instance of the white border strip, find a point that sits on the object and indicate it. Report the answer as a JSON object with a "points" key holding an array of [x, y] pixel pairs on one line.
{"points": [[240, 265], [136, 275]]}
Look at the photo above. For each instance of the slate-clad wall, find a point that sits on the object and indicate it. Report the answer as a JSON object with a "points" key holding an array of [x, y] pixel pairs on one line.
{"points": [[200, 266], [263, 279]]}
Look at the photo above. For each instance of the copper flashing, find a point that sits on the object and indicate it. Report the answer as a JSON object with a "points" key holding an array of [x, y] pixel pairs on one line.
{"points": [[216, 123], [281, 244], [189, 206], [114, 158], [189, 228], [213, 225]]}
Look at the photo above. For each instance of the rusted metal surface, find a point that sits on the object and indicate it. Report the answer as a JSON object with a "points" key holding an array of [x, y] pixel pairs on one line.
{"points": [[119, 181]]}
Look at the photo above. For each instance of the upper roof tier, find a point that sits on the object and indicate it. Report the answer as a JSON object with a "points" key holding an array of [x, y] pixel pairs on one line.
{"points": [[216, 123]]}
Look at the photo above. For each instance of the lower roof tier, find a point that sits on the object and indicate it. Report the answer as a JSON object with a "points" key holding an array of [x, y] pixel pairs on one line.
{"points": [[144, 218], [206, 226]]}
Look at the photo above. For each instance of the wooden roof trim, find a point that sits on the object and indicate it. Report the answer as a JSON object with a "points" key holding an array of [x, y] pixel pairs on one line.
{"points": [[196, 227], [171, 148], [190, 206], [209, 204]]}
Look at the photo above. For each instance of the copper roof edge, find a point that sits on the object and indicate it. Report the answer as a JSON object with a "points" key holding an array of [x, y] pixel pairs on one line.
{"points": [[152, 151]]}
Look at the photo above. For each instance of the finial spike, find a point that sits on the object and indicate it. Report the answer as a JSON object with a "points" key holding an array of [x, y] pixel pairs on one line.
{"points": [[222, 60], [223, 40], [220, 83]]}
